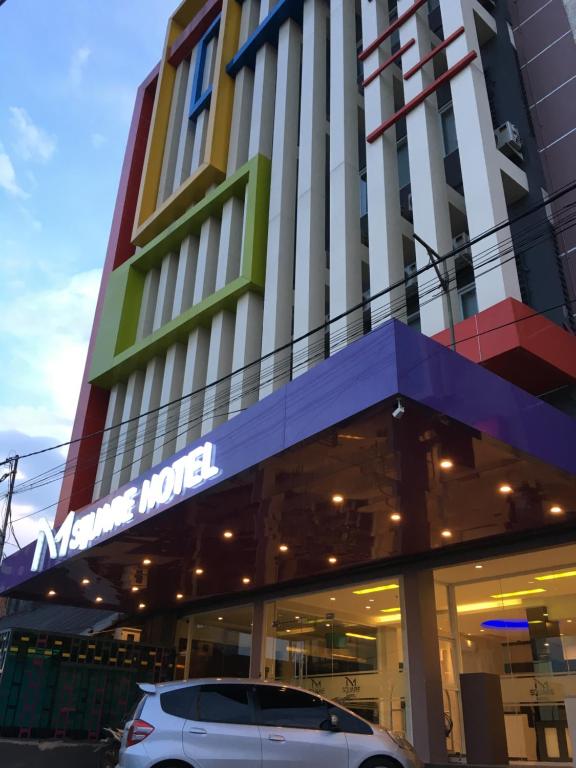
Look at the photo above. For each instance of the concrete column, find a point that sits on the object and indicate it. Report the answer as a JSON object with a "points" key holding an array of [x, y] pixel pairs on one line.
{"points": [[194, 378], [384, 217], [167, 426], [345, 256], [146, 430], [128, 431], [257, 648], [166, 289], [148, 306], [278, 298], [207, 260], [425, 714], [481, 176], [171, 147], [109, 441], [262, 120], [219, 365], [310, 264], [247, 346], [186, 275], [431, 214], [186, 139]]}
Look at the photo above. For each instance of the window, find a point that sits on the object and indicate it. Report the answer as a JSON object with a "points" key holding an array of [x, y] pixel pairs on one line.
{"points": [[291, 709], [348, 722], [469, 302], [403, 164], [180, 703], [224, 704], [449, 130]]}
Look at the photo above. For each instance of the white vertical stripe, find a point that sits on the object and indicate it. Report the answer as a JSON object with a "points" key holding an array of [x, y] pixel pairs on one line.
{"points": [[177, 108], [128, 430], [247, 346], [148, 306], [310, 267], [345, 262], [262, 120], [184, 289], [109, 441], [194, 378], [166, 289], [207, 259], [167, 424], [186, 140], [282, 213], [219, 365], [146, 430]]}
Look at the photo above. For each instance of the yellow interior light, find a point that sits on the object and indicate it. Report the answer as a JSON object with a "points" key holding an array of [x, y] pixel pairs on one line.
{"points": [[519, 593], [487, 605], [390, 610], [388, 619], [370, 590], [360, 637], [550, 576]]}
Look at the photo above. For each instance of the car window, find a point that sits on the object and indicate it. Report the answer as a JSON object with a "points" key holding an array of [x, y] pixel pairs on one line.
{"points": [[291, 709], [348, 722], [180, 703], [224, 704]]}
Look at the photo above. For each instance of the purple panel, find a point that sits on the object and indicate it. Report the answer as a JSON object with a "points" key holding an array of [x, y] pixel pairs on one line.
{"points": [[435, 376], [538, 33]]}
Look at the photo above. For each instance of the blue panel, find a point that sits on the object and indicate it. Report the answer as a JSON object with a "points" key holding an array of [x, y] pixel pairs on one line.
{"points": [[503, 624], [266, 32], [200, 101]]}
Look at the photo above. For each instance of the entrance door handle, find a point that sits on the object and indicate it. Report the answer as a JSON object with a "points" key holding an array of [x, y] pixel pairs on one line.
{"points": [[200, 731], [276, 737]]}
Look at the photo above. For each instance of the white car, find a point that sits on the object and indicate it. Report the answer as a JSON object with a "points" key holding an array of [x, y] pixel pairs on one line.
{"points": [[220, 723]]}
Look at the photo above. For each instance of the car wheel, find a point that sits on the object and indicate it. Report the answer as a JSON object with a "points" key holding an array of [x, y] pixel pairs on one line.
{"points": [[381, 762]]}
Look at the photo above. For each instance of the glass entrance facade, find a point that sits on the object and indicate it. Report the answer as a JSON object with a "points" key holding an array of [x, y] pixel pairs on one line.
{"points": [[514, 617]]}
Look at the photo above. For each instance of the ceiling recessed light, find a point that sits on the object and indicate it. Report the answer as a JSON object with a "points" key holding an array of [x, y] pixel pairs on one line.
{"points": [[371, 600], [328, 625], [135, 589], [199, 571], [99, 599], [482, 630], [288, 630], [478, 566], [395, 517], [51, 593], [556, 509], [283, 548], [569, 621], [446, 534], [368, 607], [85, 581], [179, 596], [332, 560], [141, 606], [220, 618], [332, 598], [228, 534], [245, 580], [296, 617], [446, 463], [146, 561], [519, 593], [337, 498], [505, 488], [359, 637]]}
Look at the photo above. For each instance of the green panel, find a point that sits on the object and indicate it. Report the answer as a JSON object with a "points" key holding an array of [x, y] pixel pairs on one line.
{"points": [[116, 352]]}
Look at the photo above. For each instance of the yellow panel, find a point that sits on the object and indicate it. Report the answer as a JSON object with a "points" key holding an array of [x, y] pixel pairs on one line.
{"points": [[151, 220]]}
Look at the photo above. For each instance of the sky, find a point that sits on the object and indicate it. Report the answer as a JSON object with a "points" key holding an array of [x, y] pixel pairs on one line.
{"points": [[69, 70]]}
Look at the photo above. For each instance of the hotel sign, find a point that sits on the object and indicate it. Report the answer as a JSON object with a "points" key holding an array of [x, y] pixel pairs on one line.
{"points": [[189, 471]]}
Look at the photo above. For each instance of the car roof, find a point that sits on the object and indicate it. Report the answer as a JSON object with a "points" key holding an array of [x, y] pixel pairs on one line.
{"points": [[174, 684]]}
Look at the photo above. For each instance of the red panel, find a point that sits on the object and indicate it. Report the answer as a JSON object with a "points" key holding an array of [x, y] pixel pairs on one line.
{"points": [[422, 96], [83, 455], [389, 61], [392, 28], [525, 348], [186, 40], [433, 52]]}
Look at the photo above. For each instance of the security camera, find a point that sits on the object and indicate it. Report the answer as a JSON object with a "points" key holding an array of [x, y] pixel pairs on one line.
{"points": [[399, 411]]}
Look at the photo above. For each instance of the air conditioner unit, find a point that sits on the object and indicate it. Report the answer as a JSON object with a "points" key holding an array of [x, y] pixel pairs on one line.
{"points": [[410, 274], [508, 138], [459, 241]]}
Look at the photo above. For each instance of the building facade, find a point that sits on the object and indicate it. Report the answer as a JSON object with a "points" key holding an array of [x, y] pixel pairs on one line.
{"points": [[279, 467]]}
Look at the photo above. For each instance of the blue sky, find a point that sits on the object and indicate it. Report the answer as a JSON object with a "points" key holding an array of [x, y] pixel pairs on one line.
{"points": [[69, 74]]}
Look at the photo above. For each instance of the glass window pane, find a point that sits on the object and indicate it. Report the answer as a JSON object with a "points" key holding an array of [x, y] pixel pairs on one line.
{"points": [[224, 704], [180, 703], [449, 131], [469, 303], [348, 722], [220, 643], [403, 165], [291, 709]]}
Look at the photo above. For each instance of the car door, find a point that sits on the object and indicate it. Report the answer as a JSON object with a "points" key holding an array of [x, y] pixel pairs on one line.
{"points": [[222, 733], [294, 726]]}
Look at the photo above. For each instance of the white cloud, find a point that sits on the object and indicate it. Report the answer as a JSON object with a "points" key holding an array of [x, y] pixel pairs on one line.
{"points": [[8, 180], [32, 142], [97, 140], [77, 65], [45, 334]]}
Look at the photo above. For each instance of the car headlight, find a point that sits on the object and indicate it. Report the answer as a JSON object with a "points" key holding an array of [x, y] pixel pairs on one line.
{"points": [[400, 741]]}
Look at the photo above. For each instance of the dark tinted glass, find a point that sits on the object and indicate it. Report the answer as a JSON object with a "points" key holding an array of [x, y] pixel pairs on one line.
{"points": [[348, 723], [224, 704], [180, 703], [292, 709]]}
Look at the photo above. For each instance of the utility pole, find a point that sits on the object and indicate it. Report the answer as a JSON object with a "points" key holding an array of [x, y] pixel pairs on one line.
{"points": [[13, 462], [444, 280]]}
